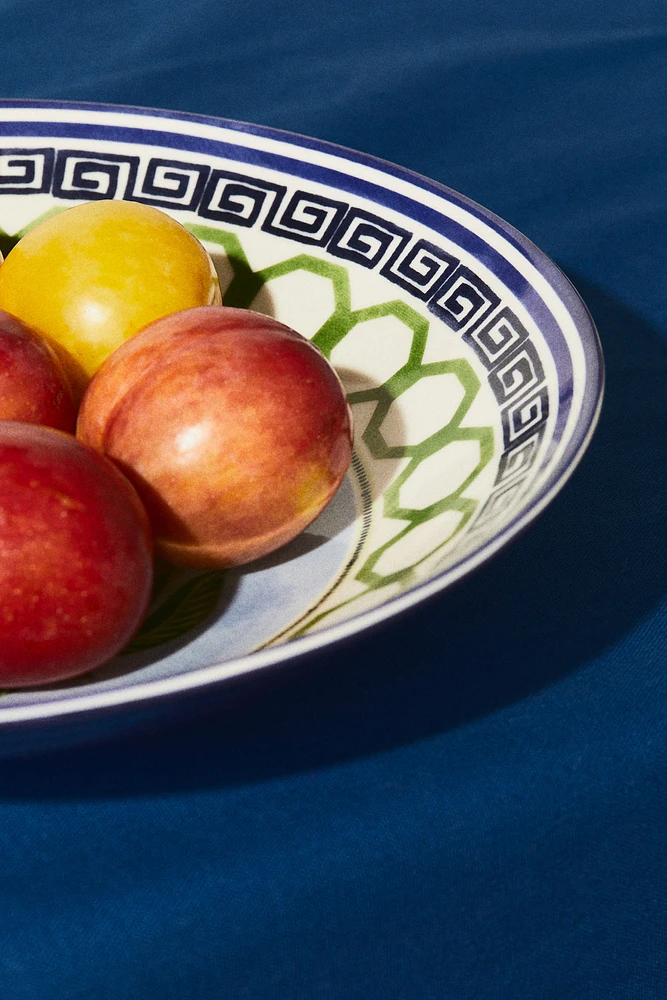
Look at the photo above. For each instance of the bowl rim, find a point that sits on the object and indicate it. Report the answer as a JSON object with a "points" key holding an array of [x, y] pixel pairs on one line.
{"points": [[80, 702]]}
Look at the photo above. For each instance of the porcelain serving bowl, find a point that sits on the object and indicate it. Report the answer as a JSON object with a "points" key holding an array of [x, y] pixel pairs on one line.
{"points": [[472, 367]]}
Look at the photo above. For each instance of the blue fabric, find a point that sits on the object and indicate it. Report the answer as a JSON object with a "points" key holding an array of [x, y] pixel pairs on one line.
{"points": [[468, 802]]}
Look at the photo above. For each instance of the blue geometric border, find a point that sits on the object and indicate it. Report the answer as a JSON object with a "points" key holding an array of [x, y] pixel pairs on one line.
{"points": [[410, 208]]}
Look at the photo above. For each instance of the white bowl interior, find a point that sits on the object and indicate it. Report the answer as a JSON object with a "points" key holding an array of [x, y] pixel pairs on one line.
{"points": [[472, 368]]}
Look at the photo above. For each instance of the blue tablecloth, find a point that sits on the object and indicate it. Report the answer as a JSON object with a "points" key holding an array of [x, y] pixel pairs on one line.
{"points": [[468, 802]]}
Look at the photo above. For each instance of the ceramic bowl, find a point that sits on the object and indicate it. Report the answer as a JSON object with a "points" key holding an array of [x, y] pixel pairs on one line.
{"points": [[472, 367]]}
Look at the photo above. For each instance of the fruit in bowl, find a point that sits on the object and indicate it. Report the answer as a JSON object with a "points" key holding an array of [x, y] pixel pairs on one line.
{"points": [[233, 428], [474, 370], [92, 276], [75, 557], [35, 387]]}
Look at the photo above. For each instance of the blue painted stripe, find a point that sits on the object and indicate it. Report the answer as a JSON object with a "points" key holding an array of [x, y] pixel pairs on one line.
{"points": [[352, 184]]}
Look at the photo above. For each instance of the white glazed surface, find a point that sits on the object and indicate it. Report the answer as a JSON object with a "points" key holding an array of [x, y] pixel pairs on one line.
{"points": [[472, 368]]}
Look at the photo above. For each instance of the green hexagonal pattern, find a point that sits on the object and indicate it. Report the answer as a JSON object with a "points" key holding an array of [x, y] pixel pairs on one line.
{"points": [[243, 288], [191, 602]]}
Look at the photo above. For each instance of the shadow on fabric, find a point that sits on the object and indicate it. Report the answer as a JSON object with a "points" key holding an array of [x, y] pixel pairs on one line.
{"points": [[564, 593]]}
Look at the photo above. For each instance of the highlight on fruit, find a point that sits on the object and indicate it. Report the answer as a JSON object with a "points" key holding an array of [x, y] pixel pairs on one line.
{"points": [[140, 417]]}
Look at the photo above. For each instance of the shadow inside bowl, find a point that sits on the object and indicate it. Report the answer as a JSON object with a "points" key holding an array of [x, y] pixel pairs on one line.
{"points": [[579, 581], [197, 619]]}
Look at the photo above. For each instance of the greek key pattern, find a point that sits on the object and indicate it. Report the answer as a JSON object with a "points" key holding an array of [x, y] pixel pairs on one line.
{"points": [[452, 292], [26, 171]]}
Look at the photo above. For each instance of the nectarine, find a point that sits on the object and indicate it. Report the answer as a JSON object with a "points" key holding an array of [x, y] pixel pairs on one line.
{"points": [[75, 557], [34, 385], [93, 275], [233, 428]]}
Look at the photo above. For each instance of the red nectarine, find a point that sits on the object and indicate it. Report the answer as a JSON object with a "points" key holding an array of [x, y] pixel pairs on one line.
{"points": [[34, 385], [234, 429], [75, 557]]}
